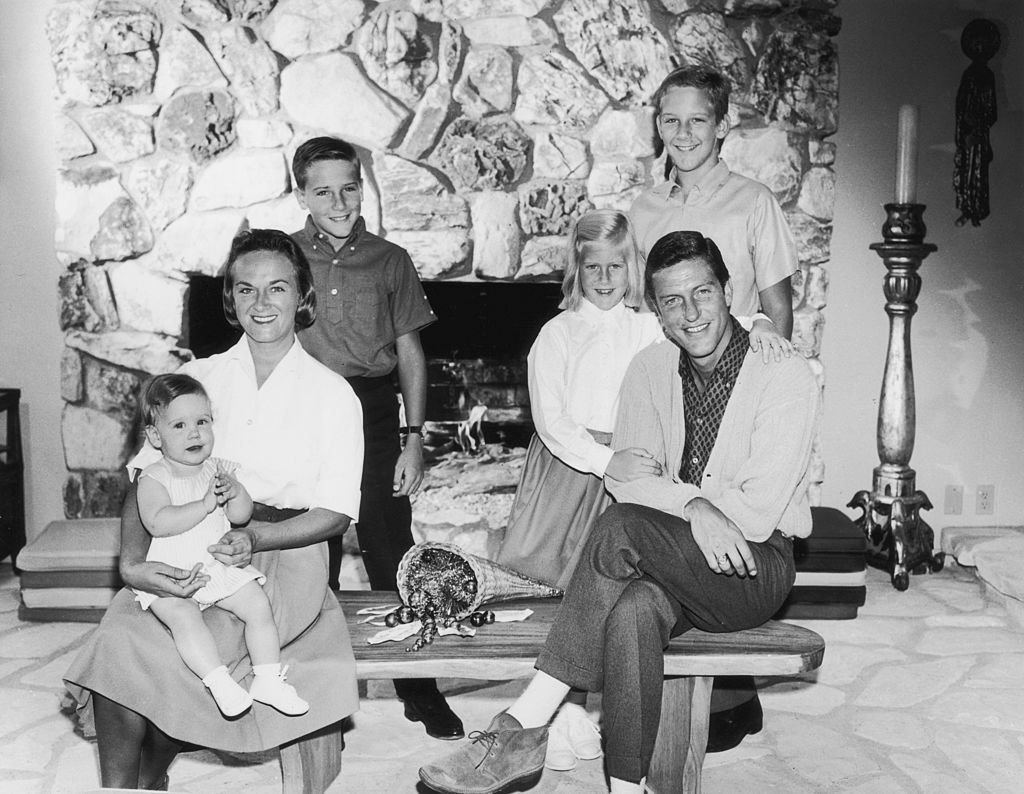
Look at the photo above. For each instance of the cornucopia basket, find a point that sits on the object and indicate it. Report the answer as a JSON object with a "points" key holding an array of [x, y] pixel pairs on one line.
{"points": [[443, 580]]}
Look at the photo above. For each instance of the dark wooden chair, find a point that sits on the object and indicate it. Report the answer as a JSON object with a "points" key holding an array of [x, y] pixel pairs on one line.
{"points": [[12, 477]]}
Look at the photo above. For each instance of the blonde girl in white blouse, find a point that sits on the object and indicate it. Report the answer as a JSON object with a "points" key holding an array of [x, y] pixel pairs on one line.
{"points": [[575, 369]]}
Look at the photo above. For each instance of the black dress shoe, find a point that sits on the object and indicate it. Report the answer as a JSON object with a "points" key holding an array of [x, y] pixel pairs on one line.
{"points": [[727, 728], [437, 717]]}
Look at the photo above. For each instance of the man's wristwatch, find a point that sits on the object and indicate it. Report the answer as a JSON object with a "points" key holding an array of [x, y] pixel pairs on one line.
{"points": [[413, 430]]}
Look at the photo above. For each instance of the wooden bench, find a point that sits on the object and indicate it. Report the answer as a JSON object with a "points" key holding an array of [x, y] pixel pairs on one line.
{"points": [[505, 651]]}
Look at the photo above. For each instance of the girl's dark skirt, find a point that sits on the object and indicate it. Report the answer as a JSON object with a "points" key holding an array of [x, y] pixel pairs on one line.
{"points": [[554, 510]]}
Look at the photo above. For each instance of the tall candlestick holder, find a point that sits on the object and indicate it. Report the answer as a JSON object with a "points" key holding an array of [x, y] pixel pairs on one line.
{"points": [[899, 540]]}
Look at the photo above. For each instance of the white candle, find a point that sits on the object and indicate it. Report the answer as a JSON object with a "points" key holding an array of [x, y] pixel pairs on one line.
{"points": [[906, 156]]}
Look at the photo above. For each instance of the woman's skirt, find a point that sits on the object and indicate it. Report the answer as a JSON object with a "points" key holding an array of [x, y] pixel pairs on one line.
{"points": [[552, 515], [131, 659]]}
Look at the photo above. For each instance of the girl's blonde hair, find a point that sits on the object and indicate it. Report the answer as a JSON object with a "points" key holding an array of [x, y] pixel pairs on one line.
{"points": [[604, 227]]}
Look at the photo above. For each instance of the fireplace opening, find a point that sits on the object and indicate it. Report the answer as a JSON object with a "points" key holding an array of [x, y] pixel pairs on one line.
{"points": [[476, 351], [206, 330]]}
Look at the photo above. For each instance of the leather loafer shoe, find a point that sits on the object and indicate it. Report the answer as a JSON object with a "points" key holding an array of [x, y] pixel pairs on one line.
{"points": [[727, 728], [437, 717]]}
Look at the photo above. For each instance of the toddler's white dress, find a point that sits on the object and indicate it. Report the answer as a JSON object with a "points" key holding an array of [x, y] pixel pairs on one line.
{"points": [[190, 547]]}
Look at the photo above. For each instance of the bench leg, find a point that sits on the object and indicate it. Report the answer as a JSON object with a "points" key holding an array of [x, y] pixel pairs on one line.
{"points": [[310, 764], [682, 736]]}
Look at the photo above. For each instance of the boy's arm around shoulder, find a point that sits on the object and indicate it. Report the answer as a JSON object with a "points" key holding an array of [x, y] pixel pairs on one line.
{"points": [[644, 421], [777, 304]]}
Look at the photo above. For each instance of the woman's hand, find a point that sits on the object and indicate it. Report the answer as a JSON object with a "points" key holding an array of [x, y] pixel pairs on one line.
{"points": [[164, 580], [632, 464], [719, 539], [236, 547], [764, 337]]}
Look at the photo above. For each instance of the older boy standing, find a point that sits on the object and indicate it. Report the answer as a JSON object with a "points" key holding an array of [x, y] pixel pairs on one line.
{"points": [[701, 194], [371, 308]]}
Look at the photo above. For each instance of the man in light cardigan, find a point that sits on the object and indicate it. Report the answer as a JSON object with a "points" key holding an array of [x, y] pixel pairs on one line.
{"points": [[708, 544]]}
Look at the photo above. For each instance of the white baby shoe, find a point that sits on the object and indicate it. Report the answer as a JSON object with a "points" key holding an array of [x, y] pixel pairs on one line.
{"points": [[269, 687], [560, 756], [583, 733], [231, 698]]}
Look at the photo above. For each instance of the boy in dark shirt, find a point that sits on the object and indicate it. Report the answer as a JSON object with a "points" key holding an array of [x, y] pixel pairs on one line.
{"points": [[370, 309]]}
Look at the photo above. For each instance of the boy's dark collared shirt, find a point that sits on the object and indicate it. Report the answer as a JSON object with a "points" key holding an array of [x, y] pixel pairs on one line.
{"points": [[368, 294], [703, 412]]}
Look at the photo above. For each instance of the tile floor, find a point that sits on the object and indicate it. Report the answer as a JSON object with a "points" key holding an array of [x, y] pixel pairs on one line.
{"points": [[923, 692]]}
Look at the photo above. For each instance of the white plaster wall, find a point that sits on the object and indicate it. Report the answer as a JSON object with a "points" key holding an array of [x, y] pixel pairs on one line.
{"points": [[30, 337], [968, 334]]}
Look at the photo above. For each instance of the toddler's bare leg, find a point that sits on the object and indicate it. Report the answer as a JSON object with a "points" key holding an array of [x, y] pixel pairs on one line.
{"points": [[251, 605], [191, 635]]}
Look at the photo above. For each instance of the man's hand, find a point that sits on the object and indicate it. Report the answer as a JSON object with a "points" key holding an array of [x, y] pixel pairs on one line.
{"points": [[719, 539], [409, 468], [632, 464], [164, 580], [764, 337], [235, 548]]}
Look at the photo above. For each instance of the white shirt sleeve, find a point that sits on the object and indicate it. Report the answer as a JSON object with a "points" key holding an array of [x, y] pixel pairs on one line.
{"points": [[565, 438], [340, 460], [773, 252]]}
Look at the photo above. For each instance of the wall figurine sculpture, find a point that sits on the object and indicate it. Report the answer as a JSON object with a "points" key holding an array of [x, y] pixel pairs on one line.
{"points": [[975, 115]]}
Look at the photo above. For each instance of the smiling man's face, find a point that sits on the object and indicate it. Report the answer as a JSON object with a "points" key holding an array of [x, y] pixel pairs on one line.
{"points": [[694, 310]]}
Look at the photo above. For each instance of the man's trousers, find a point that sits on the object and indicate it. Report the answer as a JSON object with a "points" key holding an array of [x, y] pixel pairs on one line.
{"points": [[641, 581]]}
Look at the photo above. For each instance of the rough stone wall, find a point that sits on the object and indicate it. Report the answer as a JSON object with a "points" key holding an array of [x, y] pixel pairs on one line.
{"points": [[486, 127]]}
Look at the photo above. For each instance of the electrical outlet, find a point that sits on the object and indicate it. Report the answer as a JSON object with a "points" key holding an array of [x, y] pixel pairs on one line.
{"points": [[954, 504], [985, 500]]}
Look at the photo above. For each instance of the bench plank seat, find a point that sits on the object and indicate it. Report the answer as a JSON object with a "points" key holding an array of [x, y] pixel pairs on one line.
{"points": [[504, 651]]}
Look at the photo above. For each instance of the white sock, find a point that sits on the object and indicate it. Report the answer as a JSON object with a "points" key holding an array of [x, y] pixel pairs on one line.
{"points": [[624, 787], [218, 679], [273, 669], [231, 699], [541, 699]]}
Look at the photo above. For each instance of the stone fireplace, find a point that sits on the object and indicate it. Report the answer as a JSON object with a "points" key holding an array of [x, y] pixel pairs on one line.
{"points": [[485, 129]]}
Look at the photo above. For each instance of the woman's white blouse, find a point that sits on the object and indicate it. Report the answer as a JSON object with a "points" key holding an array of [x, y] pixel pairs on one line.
{"points": [[576, 366], [298, 438]]}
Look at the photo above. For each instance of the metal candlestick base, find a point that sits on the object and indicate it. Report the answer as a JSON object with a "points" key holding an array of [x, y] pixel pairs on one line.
{"points": [[899, 541]]}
